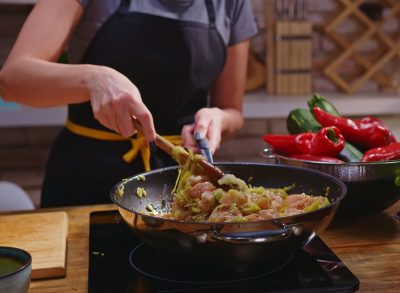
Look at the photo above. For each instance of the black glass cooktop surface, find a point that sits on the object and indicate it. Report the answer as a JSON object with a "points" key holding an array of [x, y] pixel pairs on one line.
{"points": [[120, 262]]}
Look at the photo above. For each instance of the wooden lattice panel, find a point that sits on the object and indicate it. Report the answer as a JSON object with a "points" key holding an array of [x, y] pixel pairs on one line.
{"points": [[370, 66]]}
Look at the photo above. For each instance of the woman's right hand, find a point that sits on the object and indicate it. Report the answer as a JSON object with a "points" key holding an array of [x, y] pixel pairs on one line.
{"points": [[114, 99]]}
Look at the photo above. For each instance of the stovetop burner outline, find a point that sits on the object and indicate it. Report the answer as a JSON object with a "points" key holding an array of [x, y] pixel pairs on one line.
{"points": [[143, 251]]}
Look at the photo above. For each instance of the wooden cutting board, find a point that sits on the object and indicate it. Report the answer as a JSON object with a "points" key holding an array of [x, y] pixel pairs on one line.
{"points": [[43, 235]]}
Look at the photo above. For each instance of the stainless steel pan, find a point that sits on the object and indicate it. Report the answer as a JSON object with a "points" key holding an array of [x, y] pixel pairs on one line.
{"points": [[228, 244]]}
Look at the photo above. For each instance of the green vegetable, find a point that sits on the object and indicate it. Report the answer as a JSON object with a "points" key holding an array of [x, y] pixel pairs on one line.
{"points": [[350, 153], [140, 192], [218, 193], [150, 208], [312, 207], [120, 189], [320, 101], [250, 208], [258, 190], [301, 120], [195, 209], [238, 219], [317, 205]]}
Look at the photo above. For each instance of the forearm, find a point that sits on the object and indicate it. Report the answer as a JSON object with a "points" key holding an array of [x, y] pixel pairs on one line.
{"points": [[227, 93], [41, 83], [232, 122]]}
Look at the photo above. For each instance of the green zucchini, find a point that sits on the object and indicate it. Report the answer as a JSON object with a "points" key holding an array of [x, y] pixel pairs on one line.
{"points": [[301, 120], [350, 153], [320, 101]]}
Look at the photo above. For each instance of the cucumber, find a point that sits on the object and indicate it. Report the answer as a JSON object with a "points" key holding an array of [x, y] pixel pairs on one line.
{"points": [[301, 120], [320, 101], [350, 153]]}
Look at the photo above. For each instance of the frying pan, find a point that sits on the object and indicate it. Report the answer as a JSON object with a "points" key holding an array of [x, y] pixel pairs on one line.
{"points": [[371, 186], [237, 245]]}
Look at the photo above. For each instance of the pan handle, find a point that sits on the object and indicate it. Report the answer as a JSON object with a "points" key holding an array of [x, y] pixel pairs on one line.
{"points": [[267, 153], [266, 236]]}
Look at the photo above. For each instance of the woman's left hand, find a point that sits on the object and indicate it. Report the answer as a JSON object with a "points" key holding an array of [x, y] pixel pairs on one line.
{"points": [[224, 117], [207, 122]]}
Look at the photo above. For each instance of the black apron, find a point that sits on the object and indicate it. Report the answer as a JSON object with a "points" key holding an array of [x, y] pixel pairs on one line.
{"points": [[172, 62]]}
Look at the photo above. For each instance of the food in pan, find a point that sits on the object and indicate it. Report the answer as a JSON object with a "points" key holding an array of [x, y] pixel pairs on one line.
{"points": [[235, 201], [195, 198]]}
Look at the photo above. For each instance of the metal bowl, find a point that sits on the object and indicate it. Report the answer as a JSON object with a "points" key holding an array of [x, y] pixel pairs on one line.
{"points": [[371, 186]]}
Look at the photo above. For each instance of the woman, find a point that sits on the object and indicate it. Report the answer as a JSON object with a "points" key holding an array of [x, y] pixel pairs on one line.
{"points": [[178, 66]]}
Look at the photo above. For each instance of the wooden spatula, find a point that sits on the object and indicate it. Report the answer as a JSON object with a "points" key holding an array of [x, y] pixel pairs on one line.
{"points": [[213, 172]]}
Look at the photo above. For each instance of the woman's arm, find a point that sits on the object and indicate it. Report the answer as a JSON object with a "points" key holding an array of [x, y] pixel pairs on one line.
{"points": [[224, 117], [227, 94], [27, 76], [30, 75]]}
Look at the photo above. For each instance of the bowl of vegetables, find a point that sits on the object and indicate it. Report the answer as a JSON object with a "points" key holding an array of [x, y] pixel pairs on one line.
{"points": [[363, 153]]}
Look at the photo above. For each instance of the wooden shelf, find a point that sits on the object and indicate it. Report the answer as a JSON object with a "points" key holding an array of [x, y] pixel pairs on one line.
{"points": [[257, 105]]}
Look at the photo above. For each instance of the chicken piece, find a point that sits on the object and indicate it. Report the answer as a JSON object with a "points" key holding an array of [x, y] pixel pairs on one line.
{"points": [[298, 201], [254, 217], [268, 214], [233, 196], [292, 211], [193, 180], [225, 214], [207, 202], [201, 187]]}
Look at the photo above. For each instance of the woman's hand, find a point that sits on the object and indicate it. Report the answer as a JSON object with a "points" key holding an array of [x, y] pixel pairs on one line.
{"points": [[208, 122], [115, 99], [225, 117]]}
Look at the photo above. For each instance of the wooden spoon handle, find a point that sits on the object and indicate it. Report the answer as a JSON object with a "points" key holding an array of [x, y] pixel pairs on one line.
{"points": [[212, 171], [161, 142], [164, 144]]}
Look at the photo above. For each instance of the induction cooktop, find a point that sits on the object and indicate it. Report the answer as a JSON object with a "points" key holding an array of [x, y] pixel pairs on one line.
{"points": [[120, 262]]}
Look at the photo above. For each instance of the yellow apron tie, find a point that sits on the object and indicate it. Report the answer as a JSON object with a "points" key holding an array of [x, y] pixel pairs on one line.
{"points": [[138, 144]]}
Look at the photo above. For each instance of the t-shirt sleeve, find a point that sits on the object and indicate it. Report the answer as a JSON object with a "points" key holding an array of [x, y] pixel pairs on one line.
{"points": [[243, 25], [84, 3]]}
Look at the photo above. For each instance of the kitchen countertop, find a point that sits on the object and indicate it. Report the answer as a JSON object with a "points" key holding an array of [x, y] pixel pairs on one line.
{"points": [[369, 247]]}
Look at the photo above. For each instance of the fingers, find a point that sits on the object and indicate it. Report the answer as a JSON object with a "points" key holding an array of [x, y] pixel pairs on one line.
{"points": [[115, 99], [207, 125], [146, 120], [188, 140], [214, 137], [114, 115]]}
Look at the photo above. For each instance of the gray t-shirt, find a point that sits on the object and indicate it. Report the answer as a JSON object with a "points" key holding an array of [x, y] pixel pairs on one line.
{"points": [[234, 18]]}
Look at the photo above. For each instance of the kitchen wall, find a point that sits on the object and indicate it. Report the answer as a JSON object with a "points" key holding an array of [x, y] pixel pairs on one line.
{"points": [[24, 149]]}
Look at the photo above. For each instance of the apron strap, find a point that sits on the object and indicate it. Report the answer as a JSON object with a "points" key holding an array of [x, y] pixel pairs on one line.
{"points": [[211, 12], [124, 5], [139, 144]]}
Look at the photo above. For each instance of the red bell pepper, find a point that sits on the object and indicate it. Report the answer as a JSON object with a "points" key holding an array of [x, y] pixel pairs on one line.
{"points": [[364, 134], [315, 158], [389, 152], [377, 121], [326, 142], [290, 144]]}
